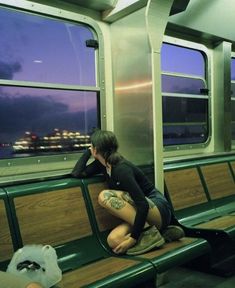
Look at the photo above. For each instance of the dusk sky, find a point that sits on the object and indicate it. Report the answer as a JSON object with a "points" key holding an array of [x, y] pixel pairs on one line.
{"points": [[39, 49]]}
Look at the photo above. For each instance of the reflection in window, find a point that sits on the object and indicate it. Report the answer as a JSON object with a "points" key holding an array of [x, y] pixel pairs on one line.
{"points": [[233, 96], [49, 52], [185, 105]]}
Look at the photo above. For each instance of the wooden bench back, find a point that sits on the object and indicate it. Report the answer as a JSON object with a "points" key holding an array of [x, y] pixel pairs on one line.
{"points": [[53, 217], [233, 166], [105, 220], [219, 180], [185, 188], [6, 245]]}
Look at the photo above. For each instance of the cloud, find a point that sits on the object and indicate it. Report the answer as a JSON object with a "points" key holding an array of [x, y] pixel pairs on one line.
{"points": [[39, 115], [7, 70]]}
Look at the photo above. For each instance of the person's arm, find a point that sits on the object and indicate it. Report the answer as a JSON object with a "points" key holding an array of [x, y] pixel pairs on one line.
{"points": [[81, 169]]}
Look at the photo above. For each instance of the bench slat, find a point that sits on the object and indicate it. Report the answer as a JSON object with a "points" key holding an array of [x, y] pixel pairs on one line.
{"points": [[53, 217], [233, 166], [96, 271], [219, 180], [185, 188], [224, 222], [6, 246]]}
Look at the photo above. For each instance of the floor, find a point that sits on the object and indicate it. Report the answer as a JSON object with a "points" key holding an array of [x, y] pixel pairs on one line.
{"points": [[187, 278]]}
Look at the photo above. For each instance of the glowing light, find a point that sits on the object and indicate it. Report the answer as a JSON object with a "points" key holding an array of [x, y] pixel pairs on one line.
{"points": [[134, 86]]}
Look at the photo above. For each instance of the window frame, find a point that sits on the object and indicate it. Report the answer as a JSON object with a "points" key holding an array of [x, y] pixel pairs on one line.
{"points": [[203, 49], [13, 165]]}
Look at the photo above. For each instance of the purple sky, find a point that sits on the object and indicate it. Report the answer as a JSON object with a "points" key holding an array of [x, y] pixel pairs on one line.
{"points": [[38, 49]]}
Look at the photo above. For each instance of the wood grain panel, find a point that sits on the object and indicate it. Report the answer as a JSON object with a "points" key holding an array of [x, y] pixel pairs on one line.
{"points": [[95, 271], [233, 166], [52, 217], [219, 180], [219, 223], [104, 219], [185, 188], [6, 247]]}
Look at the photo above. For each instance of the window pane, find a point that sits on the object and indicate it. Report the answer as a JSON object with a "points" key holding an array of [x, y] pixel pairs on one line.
{"points": [[233, 69], [184, 134], [176, 84], [185, 120], [44, 113], [233, 89], [182, 60], [40, 49]]}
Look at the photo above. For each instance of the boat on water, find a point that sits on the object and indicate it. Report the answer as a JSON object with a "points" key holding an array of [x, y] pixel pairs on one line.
{"points": [[58, 140]]}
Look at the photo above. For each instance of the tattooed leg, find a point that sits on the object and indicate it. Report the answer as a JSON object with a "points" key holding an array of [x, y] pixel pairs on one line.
{"points": [[111, 198], [126, 196], [121, 205]]}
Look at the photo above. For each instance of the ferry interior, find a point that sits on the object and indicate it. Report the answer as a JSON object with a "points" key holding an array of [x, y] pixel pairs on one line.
{"points": [[160, 74]]}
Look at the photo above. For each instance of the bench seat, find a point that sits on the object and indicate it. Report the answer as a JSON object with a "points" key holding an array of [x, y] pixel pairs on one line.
{"points": [[188, 189], [191, 203], [220, 185], [168, 256], [110, 272], [55, 213]]}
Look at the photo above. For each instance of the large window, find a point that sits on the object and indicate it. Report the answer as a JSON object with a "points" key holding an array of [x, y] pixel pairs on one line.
{"points": [[48, 92], [185, 96], [233, 96]]}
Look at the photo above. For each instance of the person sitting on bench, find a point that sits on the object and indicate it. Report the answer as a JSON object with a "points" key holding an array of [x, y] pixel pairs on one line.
{"points": [[145, 212]]}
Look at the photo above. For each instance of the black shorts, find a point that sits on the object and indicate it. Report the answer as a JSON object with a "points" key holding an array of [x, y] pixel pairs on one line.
{"points": [[163, 206]]}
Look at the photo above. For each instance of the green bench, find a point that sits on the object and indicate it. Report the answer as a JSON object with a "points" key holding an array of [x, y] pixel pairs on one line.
{"points": [[55, 212], [65, 214], [171, 255], [220, 185], [202, 196], [6, 239]]}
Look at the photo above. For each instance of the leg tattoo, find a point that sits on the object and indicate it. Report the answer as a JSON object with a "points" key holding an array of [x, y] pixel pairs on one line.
{"points": [[113, 200], [126, 197]]}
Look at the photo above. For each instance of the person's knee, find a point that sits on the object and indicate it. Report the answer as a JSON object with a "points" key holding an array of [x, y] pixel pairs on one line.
{"points": [[113, 241]]}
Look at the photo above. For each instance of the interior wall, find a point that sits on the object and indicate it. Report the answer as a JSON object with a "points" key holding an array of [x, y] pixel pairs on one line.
{"points": [[215, 17], [132, 87]]}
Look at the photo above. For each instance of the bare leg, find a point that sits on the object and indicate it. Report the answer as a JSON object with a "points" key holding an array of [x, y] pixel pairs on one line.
{"points": [[34, 285], [121, 205]]}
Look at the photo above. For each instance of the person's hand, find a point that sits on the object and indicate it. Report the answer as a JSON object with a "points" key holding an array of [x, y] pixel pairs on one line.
{"points": [[125, 245]]}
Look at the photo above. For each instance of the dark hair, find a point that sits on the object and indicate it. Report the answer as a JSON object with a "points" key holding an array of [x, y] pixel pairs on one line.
{"points": [[106, 145]]}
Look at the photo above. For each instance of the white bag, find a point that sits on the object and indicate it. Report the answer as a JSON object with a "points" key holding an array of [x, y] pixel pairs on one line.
{"points": [[38, 263]]}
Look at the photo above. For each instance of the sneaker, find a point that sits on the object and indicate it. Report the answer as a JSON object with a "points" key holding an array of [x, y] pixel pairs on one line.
{"points": [[148, 240], [173, 233]]}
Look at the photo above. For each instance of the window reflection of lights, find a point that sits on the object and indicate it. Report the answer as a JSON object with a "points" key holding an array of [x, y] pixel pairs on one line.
{"points": [[134, 86], [37, 61]]}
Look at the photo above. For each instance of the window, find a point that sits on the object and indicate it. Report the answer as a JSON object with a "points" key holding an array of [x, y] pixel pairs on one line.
{"points": [[233, 96], [48, 93], [185, 96]]}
